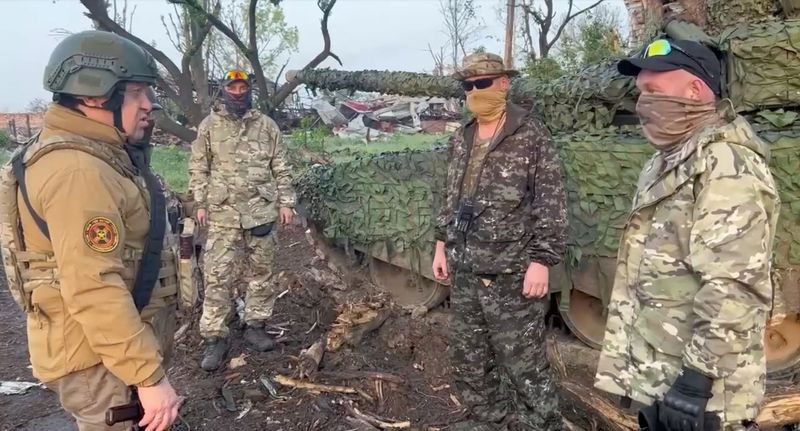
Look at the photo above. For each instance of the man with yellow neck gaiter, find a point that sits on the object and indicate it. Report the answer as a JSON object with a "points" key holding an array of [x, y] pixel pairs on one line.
{"points": [[501, 227]]}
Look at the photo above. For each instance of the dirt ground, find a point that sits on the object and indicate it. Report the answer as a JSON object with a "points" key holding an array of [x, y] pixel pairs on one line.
{"points": [[395, 372], [413, 384]]}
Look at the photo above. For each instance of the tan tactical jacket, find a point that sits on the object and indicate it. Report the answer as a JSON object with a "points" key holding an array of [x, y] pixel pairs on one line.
{"points": [[79, 281]]}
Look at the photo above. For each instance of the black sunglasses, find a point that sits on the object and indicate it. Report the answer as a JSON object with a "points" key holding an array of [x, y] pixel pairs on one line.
{"points": [[480, 84]]}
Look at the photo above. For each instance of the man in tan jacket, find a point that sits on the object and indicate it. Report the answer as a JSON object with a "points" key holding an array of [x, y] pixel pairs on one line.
{"points": [[84, 212]]}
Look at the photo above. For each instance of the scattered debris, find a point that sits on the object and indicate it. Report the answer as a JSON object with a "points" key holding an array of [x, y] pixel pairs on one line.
{"points": [[419, 311], [316, 322], [360, 424], [354, 322], [288, 381], [381, 423], [375, 375], [269, 385], [17, 388], [181, 332], [386, 115], [237, 361], [455, 400], [248, 404], [310, 359]]}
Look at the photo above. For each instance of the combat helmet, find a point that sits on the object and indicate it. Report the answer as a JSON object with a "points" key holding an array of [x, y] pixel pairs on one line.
{"points": [[151, 94], [94, 64]]}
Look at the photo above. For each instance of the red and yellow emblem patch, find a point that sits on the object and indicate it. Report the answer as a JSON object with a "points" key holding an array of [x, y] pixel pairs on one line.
{"points": [[101, 234]]}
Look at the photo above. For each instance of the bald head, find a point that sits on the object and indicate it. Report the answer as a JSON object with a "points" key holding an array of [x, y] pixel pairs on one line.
{"points": [[677, 83]]}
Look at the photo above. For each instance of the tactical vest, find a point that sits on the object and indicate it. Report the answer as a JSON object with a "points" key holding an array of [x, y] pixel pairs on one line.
{"points": [[26, 270]]}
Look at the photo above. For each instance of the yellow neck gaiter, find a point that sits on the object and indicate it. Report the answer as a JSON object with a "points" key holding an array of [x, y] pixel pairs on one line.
{"points": [[487, 105]]}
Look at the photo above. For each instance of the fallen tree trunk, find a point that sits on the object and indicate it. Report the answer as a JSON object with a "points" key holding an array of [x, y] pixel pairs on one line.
{"points": [[781, 405]]}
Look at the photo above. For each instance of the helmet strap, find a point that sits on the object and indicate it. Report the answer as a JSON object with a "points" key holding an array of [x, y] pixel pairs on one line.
{"points": [[114, 104]]}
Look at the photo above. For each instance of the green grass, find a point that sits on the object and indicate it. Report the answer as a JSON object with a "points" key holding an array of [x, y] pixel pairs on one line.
{"points": [[172, 162]]}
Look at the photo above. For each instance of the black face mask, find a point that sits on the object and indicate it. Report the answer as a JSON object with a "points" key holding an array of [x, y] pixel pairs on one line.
{"points": [[238, 104], [140, 150]]}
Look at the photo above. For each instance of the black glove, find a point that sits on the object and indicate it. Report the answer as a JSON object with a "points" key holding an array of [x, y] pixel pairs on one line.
{"points": [[648, 418], [684, 405]]}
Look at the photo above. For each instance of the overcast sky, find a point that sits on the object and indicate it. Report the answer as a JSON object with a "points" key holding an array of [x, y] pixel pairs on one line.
{"points": [[366, 34]]}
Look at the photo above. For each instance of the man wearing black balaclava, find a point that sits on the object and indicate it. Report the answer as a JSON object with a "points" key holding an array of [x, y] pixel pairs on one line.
{"points": [[241, 184]]}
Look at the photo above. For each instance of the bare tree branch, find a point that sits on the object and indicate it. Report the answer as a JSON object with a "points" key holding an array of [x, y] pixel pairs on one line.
{"points": [[326, 6], [545, 24], [173, 128], [278, 77], [197, 43], [573, 16], [248, 52], [219, 25], [176, 41], [99, 14], [252, 53]]}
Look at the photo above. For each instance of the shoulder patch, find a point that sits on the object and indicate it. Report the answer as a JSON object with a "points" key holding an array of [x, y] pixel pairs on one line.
{"points": [[101, 234]]}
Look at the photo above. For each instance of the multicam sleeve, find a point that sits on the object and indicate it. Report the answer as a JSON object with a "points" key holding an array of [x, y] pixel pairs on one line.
{"points": [[281, 170], [549, 226], [446, 210], [730, 250], [199, 165]]}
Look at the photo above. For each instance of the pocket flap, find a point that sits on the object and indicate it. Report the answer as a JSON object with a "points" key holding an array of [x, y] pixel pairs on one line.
{"points": [[666, 329]]}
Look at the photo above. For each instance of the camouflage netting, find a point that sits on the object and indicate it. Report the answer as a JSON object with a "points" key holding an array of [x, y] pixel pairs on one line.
{"points": [[601, 172], [392, 198], [765, 67], [724, 13], [587, 100], [389, 198], [400, 83]]}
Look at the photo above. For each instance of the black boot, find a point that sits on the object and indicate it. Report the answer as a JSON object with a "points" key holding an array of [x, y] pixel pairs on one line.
{"points": [[257, 339], [214, 353]]}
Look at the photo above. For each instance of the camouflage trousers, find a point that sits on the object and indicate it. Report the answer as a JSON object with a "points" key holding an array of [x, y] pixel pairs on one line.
{"points": [[497, 348], [221, 263]]}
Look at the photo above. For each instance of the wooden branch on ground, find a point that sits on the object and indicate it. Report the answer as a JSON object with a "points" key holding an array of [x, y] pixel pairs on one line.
{"points": [[781, 406], [374, 421], [375, 375], [311, 358], [780, 410], [360, 424], [288, 381]]}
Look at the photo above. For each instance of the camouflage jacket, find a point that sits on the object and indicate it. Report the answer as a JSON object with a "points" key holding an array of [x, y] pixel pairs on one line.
{"points": [[520, 208], [692, 286], [238, 170]]}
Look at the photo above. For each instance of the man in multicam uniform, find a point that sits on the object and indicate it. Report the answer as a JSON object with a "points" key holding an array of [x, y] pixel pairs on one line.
{"points": [[692, 290], [241, 184], [503, 225]]}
